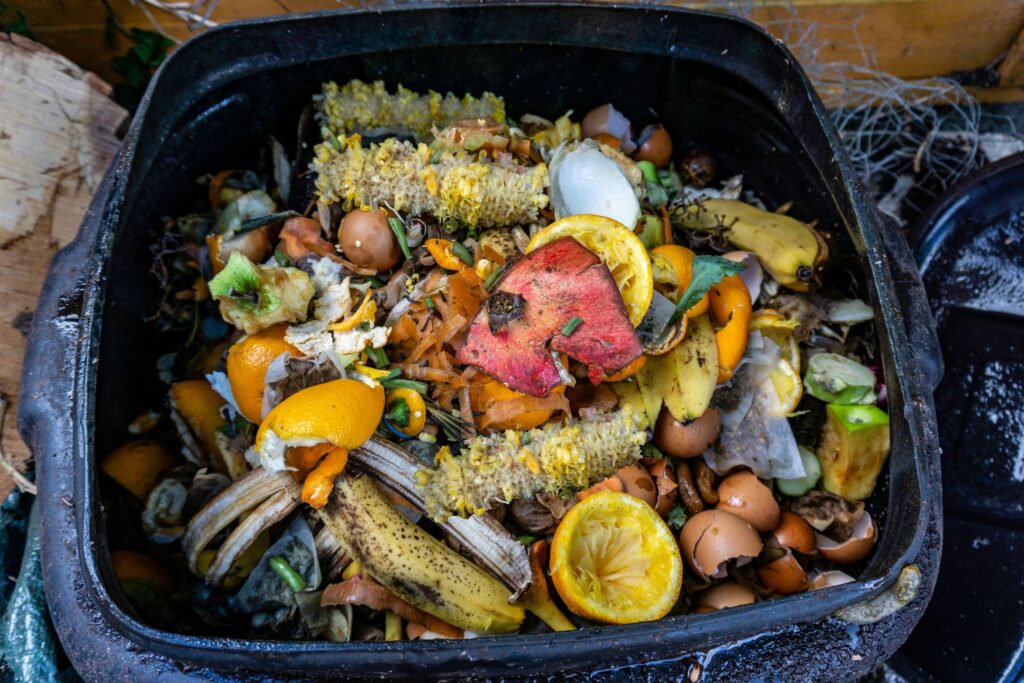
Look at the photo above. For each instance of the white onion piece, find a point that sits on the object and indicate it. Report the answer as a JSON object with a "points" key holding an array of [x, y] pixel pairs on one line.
{"points": [[752, 275], [583, 180]]}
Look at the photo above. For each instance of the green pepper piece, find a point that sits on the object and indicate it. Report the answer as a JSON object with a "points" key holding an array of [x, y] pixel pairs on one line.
{"points": [[854, 446]]}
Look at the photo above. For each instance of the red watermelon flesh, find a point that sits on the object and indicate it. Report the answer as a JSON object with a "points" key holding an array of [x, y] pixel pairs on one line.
{"points": [[539, 294]]}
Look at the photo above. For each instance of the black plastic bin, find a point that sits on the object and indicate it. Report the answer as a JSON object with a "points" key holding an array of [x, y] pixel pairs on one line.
{"points": [[712, 80]]}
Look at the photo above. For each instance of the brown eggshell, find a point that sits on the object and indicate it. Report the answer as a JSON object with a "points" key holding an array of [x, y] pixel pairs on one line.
{"points": [[723, 596], [655, 146], [638, 483], [744, 495], [687, 440], [784, 576], [712, 538], [794, 533], [608, 120], [366, 239], [855, 548], [828, 579], [667, 485]]}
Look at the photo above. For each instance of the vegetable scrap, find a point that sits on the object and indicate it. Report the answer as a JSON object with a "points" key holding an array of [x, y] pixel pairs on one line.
{"points": [[492, 375]]}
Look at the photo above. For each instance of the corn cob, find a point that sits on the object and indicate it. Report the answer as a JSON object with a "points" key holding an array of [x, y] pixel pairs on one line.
{"points": [[358, 106], [471, 189], [515, 465]]}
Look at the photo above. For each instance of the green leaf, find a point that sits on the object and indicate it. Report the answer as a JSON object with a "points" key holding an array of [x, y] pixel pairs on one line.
{"points": [[708, 271], [131, 68]]}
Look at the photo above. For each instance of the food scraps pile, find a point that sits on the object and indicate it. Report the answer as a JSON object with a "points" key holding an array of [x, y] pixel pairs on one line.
{"points": [[446, 373]]}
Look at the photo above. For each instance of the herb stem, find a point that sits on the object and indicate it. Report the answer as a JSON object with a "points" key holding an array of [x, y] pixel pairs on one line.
{"points": [[401, 383], [287, 573], [378, 356], [493, 277], [460, 250], [571, 326]]}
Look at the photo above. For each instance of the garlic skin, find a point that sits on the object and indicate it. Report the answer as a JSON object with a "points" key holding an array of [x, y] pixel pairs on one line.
{"points": [[585, 181]]}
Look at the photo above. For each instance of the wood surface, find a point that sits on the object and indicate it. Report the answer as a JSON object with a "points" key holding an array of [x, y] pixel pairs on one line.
{"points": [[908, 38], [57, 137]]}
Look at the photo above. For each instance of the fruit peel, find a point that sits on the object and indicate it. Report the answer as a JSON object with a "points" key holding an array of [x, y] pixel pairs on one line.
{"points": [[254, 297], [557, 282]]}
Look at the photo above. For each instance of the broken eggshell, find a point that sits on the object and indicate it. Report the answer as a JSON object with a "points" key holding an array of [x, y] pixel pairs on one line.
{"points": [[723, 596], [744, 495], [834, 577], [794, 533], [637, 482], [666, 484], [585, 181], [607, 120], [655, 145], [855, 548], [784, 576], [687, 440], [711, 539]]}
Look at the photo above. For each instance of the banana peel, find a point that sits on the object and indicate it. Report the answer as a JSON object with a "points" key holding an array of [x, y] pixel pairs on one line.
{"points": [[788, 249], [683, 379], [414, 565], [537, 599]]}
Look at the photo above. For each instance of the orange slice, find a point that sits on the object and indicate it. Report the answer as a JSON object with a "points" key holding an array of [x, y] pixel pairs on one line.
{"points": [[614, 560], [247, 365]]}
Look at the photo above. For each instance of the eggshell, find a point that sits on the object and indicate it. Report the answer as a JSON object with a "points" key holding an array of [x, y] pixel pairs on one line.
{"points": [[687, 440], [667, 485], [784, 576], [745, 496], [794, 533], [608, 120], [855, 548], [712, 538], [828, 579], [366, 239], [655, 146], [723, 596], [637, 482]]}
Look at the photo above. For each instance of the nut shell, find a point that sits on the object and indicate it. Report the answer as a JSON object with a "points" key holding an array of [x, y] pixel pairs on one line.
{"points": [[712, 538], [744, 495]]}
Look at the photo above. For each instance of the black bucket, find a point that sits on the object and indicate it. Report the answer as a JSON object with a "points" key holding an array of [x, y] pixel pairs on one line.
{"points": [[714, 81]]}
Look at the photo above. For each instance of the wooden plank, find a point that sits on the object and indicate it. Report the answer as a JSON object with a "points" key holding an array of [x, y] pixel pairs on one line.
{"points": [[57, 137], [909, 38], [1011, 70]]}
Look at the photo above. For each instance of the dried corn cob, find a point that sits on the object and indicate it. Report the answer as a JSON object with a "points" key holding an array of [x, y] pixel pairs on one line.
{"points": [[452, 185], [358, 106], [516, 465]]}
